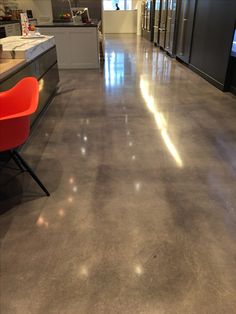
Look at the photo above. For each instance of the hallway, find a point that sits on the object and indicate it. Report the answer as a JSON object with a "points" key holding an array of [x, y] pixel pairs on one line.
{"points": [[140, 160]]}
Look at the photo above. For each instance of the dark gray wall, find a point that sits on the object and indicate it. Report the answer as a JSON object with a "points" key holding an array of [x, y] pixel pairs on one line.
{"points": [[212, 38], [94, 6]]}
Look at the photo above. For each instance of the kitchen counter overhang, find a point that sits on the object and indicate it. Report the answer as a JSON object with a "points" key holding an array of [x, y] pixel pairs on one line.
{"points": [[67, 24]]}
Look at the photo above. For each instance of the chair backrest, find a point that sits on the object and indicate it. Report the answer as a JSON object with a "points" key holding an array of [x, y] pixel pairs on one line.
{"points": [[22, 97], [16, 106]]}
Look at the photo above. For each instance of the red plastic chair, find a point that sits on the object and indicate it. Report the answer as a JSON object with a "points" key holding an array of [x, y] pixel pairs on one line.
{"points": [[16, 106]]}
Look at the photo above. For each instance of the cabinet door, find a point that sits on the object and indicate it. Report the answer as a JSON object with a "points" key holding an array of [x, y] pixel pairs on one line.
{"points": [[17, 29], [10, 30], [212, 39], [170, 26], [157, 21], [63, 44], [185, 29], [162, 27], [13, 29]]}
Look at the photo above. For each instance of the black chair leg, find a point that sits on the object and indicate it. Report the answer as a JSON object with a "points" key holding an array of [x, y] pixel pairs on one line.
{"points": [[17, 162], [27, 168]]}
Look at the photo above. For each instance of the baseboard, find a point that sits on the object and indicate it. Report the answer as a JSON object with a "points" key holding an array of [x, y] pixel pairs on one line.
{"points": [[207, 77], [232, 89]]}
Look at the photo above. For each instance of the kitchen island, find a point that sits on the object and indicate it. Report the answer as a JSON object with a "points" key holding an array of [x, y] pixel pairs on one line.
{"points": [[30, 57], [77, 44]]}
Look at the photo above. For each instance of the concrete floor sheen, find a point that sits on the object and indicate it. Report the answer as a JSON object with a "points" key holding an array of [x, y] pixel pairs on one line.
{"points": [[140, 160]]}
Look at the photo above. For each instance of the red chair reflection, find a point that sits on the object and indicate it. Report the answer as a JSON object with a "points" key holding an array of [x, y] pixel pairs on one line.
{"points": [[16, 106]]}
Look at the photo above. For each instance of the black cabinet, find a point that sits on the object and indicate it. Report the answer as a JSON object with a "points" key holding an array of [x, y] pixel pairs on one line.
{"points": [[148, 19], [212, 39], [171, 27], [232, 75], [157, 18], [232, 66], [185, 28], [162, 28]]}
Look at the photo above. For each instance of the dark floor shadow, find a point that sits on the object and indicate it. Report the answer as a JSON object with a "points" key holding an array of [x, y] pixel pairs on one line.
{"points": [[10, 190], [17, 187]]}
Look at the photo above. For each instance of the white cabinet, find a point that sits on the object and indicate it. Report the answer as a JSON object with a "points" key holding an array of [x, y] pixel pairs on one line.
{"points": [[13, 29], [77, 47]]}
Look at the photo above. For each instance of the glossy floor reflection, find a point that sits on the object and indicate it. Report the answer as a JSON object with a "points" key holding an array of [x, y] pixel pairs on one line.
{"points": [[140, 159]]}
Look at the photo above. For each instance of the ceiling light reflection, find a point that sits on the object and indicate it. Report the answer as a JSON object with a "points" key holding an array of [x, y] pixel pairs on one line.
{"points": [[71, 180], [61, 212], [84, 271], [70, 199], [138, 269], [160, 121], [42, 222], [83, 151], [75, 189], [137, 186]]}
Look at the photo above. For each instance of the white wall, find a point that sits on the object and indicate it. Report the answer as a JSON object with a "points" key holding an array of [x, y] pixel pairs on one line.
{"points": [[137, 5], [117, 22], [42, 9]]}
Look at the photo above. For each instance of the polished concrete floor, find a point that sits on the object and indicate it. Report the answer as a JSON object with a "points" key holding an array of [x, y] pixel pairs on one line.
{"points": [[140, 160]]}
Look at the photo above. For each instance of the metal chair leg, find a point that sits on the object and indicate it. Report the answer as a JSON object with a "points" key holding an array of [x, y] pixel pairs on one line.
{"points": [[33, 175], [17, 162]]}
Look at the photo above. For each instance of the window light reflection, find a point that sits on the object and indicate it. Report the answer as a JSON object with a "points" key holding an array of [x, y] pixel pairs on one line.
{"points": [[160, 121], [114, 69]]}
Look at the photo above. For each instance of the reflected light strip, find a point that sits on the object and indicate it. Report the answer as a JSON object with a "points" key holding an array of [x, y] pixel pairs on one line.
{"points": [[41, 85], [160, 122]]}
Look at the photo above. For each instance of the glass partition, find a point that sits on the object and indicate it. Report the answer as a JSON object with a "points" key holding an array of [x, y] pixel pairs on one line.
{"points": [[122, 4], [234, 45]]}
